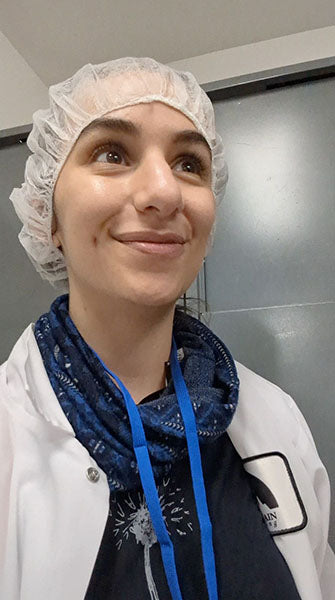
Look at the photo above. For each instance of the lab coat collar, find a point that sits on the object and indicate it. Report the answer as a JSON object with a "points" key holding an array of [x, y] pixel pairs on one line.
{"points": [[25, 369]]}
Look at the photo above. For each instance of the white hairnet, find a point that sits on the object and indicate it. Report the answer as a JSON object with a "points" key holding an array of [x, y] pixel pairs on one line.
{"points": [[90, 93]]}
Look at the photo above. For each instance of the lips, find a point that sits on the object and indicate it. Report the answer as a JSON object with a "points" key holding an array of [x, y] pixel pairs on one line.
{"points": [[152, 237], [157, 243]]}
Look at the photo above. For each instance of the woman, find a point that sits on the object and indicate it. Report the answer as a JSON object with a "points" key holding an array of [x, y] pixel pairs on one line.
{"points": [[140, 461]]}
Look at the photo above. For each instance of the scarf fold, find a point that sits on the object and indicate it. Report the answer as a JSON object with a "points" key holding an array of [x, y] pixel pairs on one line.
{"points": [[95, 406]]}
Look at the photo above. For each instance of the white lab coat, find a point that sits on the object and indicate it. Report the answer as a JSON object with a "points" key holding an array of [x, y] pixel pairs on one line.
{"points": [[52, 517]]}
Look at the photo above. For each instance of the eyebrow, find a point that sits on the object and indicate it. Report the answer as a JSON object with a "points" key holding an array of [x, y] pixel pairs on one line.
{"points": [[128, 127]]}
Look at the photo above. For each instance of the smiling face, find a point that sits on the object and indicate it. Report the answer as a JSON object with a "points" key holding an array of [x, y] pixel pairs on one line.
{"points": [[137, 174]]}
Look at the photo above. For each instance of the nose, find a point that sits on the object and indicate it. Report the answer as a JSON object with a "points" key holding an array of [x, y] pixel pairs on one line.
{"points": [[155, 186]]}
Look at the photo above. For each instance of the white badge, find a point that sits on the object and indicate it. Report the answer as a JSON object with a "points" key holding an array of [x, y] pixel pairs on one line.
{"points": [[277, 492]]}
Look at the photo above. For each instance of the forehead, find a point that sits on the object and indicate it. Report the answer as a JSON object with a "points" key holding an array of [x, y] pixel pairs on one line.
{"points": [[155, 111], [136, 119]]}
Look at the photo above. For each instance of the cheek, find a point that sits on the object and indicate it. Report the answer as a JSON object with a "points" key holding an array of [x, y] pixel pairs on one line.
{"points": [[87, 207], [204, 218]]}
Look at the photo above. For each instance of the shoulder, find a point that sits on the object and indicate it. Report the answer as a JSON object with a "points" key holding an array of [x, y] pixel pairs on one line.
{"points": [[13, 379], [273, 408], [258, 391], [267, 415], [4, 393], [6, 429], [256, 383], [268, 421]]}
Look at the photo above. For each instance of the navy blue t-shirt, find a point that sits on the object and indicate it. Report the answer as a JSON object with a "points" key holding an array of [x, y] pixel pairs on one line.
{"points": [[249, 565]]}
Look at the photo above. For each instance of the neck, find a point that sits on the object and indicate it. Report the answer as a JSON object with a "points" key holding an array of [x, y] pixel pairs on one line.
{"points": [[133, 341]]}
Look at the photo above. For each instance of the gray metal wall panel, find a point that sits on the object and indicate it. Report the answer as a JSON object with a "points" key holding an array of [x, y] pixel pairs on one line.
{"points": [[24, 296], [275, 238], [271, 276]]}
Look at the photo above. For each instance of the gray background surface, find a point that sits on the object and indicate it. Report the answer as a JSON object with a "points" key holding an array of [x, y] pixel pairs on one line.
{"points": [[270, 277]]}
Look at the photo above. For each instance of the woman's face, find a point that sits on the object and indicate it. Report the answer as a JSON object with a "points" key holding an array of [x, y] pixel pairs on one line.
{"points": [[135, 178]]}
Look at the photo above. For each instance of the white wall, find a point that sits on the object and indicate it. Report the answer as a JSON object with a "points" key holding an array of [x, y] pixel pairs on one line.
{"points": [[22, 92], [279, 52]]}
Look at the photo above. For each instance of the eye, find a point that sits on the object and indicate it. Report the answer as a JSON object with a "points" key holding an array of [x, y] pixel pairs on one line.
{"points": [[114, 153], [196, 161]]}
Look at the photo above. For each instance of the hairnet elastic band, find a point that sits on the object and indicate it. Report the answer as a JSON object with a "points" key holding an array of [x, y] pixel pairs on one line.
{"points": [[197, 474], [149, 488]]}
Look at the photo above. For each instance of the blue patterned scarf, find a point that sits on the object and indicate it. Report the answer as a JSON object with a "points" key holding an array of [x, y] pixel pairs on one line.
{"points": [[95, 406]]}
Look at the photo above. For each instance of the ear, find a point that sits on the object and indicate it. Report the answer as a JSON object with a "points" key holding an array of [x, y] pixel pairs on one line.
{"points": [[210, 241], [54, 232], [56, 241]]}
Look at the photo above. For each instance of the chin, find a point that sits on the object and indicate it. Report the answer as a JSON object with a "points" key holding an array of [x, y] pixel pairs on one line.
{"points": [[153, 296], [153, 289], [154, 300]]}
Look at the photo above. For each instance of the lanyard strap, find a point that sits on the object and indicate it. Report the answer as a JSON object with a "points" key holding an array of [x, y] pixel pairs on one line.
{"points": [[197, 474], [149, 486]]}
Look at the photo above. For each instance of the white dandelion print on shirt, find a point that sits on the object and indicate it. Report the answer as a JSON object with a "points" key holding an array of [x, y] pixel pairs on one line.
{"points": [[133, 517]]}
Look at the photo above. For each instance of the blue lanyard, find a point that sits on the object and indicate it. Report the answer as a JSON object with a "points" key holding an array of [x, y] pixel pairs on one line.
{"points": [[197, 474], [149, 486]]}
